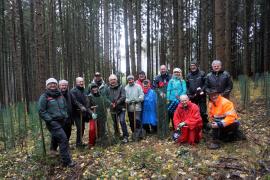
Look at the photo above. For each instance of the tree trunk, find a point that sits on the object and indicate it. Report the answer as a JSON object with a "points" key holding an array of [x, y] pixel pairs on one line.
{"points": [[220, 30], [106, 39], [131, 38], [125, 7], [138, 35]]}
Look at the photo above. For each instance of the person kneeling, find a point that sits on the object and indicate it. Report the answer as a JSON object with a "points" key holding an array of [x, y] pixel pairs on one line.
{"points": [[223, 119], [188, 122]]}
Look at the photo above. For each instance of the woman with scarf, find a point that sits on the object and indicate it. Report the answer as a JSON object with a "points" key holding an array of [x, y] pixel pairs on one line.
{"points": [[149, 114]]}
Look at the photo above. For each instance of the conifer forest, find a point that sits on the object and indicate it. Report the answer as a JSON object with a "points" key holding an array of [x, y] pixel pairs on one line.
{"points": [[66, 39]]}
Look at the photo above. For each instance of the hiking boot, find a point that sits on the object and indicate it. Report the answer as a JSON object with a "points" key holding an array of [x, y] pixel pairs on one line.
{"points": [[81, 145], [213, 145], [125, 140], [70, 165], [53, 153]]}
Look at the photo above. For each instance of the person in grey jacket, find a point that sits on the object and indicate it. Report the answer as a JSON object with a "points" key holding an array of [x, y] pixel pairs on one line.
{"points": [[134, 99]]}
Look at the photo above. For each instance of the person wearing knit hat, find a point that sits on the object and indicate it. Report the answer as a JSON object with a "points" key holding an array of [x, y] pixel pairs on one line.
{"points": [[196, 90], [176, 88], [134, 99], [51, 80], [55, 118]]}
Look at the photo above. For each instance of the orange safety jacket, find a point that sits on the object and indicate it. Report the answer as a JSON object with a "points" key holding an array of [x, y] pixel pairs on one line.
{"points": [[222, 109]]}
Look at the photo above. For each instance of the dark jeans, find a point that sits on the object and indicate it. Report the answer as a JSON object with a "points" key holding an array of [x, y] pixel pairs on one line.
{"points": [[80, 126], [137, 116], [150, 128], [201, 102], [67, 129], [59, 137], [226, 134], [121, 117]]}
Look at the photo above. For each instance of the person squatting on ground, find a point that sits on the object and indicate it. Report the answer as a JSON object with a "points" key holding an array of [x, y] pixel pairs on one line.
{"points": [[196, 90], [187, 121], [134, 99], [97, 104], [149, 110], [53, 110], [176, 88], [219, 79], [116, 97], [81, 114], [223, 119]]}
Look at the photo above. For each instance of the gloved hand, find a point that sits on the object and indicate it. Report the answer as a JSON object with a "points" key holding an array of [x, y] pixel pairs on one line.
{"points": [[181, 124], [83, 109], [94, 116]]}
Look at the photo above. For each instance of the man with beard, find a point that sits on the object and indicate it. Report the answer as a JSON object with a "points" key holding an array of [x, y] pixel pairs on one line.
{"points": [[53, 110], [188, 121], [80, 113], [196, 90]]}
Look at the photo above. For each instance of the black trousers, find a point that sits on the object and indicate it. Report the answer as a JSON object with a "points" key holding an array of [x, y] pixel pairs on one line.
{"points": [[80, 126], [59, 138], [137, 117], [67, 129], [226, 134], [201, 102]]}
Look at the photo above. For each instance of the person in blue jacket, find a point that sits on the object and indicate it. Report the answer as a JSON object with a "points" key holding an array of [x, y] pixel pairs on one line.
{"points": [[176, 88], [149, 114]]}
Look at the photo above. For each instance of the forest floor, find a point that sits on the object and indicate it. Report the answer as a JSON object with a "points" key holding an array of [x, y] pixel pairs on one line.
{"points": [[152, 158]]}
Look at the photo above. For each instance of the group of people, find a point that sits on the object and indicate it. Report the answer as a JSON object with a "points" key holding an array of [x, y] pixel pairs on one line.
{"points": [[186, 101]]}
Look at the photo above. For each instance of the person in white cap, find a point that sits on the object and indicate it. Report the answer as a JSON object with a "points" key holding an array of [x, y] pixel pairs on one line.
{"points": [[176, 88], [52, 109]]}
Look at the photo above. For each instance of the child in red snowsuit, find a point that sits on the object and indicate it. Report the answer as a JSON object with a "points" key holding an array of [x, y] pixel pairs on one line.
{"points": [[187, 117]]}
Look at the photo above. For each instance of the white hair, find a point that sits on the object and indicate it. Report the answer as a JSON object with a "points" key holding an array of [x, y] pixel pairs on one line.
{"points": [[183, 97], [112, 76], [79, 79], [216, 62], [63, 81]]}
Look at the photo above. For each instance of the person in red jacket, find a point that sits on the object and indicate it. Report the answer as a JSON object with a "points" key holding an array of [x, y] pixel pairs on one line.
{"points": [[188, 120]]}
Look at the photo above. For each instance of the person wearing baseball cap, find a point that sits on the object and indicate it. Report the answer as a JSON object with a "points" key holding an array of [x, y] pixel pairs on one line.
{"points": [[223, 119], [196, 90], [53, 110]]}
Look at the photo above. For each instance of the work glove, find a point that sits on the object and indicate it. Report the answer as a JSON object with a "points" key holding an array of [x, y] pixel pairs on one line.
{"points": [[83, 109], [181, 124], [94, 116]]}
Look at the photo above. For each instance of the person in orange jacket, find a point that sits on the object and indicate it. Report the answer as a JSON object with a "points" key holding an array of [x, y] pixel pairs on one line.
{"points": [[188, 121], [223, 119]]}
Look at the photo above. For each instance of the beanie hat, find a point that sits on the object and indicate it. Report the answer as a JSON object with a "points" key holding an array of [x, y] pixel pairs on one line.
{"points": [[130, 77], [177, 70], [51, 80], [194, 63], [142, 72]]}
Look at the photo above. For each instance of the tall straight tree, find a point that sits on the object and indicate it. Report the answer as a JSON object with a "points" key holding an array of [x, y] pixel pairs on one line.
{"points": [[131, 37], [220, 30], [125, 7], [40, 46], [138, 35], [106, 39], [204, 35]]}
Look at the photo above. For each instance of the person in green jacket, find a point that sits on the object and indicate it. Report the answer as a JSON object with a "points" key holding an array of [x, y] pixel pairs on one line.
{"points": [[52, 109]]}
